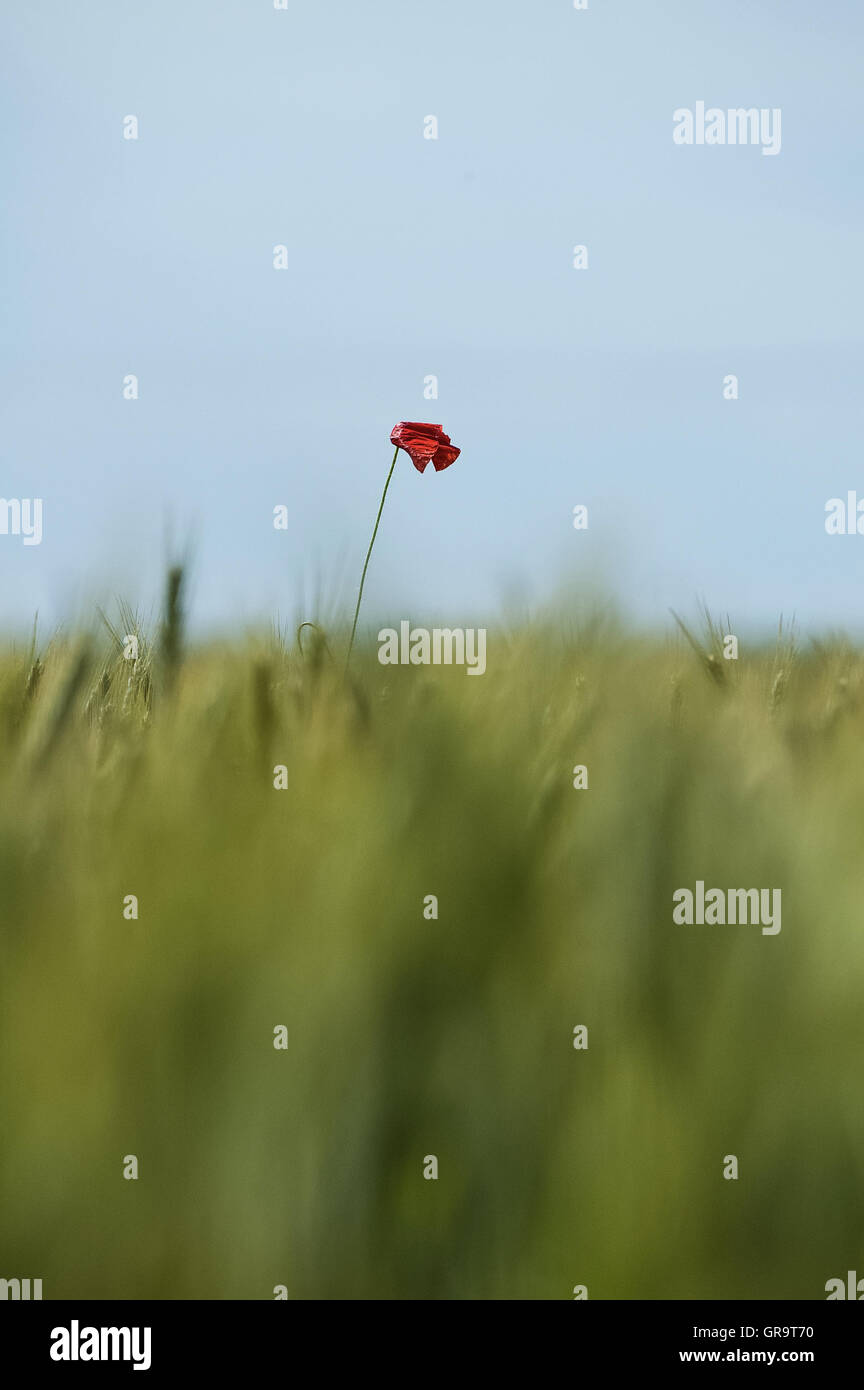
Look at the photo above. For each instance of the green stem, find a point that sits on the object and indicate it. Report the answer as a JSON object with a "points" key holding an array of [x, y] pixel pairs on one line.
{"points": [[368, 553]]}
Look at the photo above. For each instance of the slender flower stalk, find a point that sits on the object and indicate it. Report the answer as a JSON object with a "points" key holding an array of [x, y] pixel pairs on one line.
{"points": [[423, 444], [368, 553]]}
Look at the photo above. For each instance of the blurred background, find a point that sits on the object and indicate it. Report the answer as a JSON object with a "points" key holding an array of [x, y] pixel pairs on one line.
{"points": [[409, 257], [410, 1035]]}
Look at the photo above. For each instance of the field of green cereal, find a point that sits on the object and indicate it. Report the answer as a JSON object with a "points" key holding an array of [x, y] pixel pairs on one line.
{"points": [[410, 1036]]}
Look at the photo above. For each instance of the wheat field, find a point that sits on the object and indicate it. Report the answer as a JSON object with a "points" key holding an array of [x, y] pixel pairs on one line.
{"points": [[412, 1035]]}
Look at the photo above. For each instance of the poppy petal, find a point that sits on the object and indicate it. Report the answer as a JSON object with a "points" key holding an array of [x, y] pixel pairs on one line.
{"points": [[424, 443]]}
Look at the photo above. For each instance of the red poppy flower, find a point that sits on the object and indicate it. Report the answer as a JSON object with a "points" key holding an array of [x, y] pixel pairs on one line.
{"points": [[423, 443]]}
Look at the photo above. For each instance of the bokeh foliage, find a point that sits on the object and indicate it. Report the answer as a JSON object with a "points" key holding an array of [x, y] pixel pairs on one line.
{"points": [[409, 1036]]}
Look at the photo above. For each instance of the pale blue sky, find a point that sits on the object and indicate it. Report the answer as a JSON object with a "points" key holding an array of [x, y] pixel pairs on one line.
{"points": [[452, 257]]}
